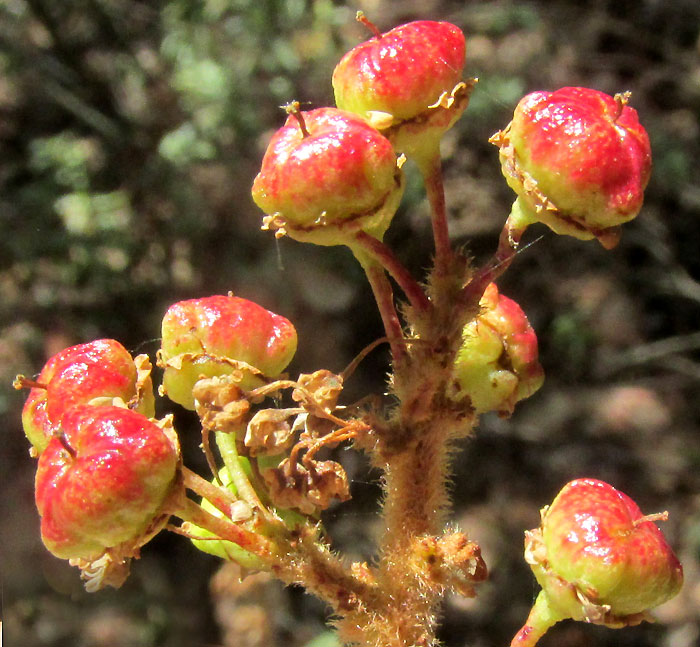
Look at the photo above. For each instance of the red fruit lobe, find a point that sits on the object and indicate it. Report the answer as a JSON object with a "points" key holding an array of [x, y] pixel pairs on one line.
{"points": [[110, 489]]}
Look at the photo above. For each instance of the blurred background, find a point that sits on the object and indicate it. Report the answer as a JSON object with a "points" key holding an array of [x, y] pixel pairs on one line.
{"points": [[130, 133]]}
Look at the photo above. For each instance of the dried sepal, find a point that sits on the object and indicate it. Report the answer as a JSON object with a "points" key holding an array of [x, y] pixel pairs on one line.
{"points": [[269, 431], [307, 488], [221, 404], [320, 389]]}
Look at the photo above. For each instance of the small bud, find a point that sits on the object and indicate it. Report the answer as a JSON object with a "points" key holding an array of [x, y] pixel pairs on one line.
{"points": [[98, 371], [579, 161], [406, 82], [222, 335], [497, 365], [599, 559], [108, 492], [330, 180], [450, 562]]}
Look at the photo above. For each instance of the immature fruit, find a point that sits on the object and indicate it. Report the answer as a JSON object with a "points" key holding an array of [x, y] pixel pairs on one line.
{"points": [[579, 161], [404, 79], [599, 559], [222, 335], [327, 175], [97, 371], [101, 483], [497, 364]]}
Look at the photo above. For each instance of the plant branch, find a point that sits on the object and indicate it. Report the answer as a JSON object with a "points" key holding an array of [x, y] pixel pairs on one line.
{"points": [[378, 251], [431, 169], [508, 243], [188, 510], [384, 296]]}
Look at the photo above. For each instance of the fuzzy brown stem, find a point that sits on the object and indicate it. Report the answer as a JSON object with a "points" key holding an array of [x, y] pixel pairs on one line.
{"points": [[415, 505], [310, 562]]}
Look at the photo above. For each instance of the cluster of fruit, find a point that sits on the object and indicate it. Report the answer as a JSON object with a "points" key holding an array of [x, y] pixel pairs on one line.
{"points": [[110, 474]]}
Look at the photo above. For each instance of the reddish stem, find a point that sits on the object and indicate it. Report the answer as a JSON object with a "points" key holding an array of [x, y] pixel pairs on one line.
{"points": [[384, 296], [219, 497], [379, 252], [23, 382], [293, 108], [508, 243], [431, 169], [66, 445], [360, 17], [190, 511]]}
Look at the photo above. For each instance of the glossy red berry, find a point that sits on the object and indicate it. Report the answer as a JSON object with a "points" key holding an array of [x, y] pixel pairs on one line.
{"points": [[579, 161], [96, 371], [327, 175], [599, 559], [220, 335], [402, 71], [407, 82], [101, 481]]}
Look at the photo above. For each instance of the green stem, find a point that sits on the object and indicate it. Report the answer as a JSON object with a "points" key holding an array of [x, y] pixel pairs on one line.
{"points": [[541, 618], [226, 442]]}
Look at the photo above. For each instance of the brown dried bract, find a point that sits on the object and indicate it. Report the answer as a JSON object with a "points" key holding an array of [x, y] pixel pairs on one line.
{"points": [[308, 487], [220, 404], [450, 562], [324, 388], [269, 431]]}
